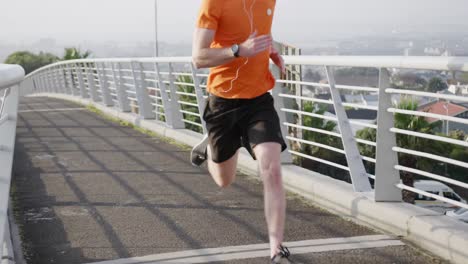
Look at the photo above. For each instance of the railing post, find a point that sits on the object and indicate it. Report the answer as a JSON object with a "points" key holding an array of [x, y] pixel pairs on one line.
{"points": [[386, 176], [72, 80], [81, 83], [91, 83], [358, 173], [144, 101], [47, 81], [157, 109], [45, 88], [7, 244], [7, 145], [40, 81], [279, 104], [4, 230], [176, 115], [165, 98], [200, 97], [53, 80], [61, 79], [58, 86], [45, 85], [35, 85], [47, 76], [104, 85], [39, 84], [67, 80], [61, 82], [53, 85], [120, 89]]}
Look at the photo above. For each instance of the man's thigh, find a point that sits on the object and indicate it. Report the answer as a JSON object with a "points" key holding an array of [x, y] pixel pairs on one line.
{"points": [[221, 117], [224, 172], [262, 125], [268, 155]]}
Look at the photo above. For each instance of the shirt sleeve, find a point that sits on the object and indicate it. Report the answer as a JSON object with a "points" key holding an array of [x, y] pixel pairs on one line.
{"points": [[210, 14]]}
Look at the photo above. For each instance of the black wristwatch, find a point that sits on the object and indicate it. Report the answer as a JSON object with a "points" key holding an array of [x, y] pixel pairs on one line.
{"points": [[235, 50]]}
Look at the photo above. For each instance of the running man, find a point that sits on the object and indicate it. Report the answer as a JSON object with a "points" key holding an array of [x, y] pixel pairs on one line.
{"points": [[233, 38]]}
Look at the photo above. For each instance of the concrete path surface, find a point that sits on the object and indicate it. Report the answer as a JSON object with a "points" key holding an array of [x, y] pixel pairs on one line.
{"points": [[86, 189]]}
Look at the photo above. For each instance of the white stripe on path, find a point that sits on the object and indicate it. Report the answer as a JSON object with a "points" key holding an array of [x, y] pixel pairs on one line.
{"points": [[52, 110], [261, 250], [41, 104]]}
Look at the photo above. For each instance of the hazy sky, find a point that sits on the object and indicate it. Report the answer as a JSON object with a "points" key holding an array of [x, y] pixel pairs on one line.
{"points": [[133, 20]]}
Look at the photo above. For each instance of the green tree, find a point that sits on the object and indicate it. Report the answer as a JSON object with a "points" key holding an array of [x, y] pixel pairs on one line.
{"points": [[367, 150], [436, 85], [30, 61], [417, 124], [420, 83], [74, 54], [459, 173], [185, 86], [455, 152], [319, 123]]}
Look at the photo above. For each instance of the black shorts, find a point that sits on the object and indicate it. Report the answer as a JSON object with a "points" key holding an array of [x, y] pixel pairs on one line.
{"points": [[235, 123]]}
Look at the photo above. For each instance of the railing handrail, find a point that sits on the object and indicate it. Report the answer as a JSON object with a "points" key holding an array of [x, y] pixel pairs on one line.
{"points": [[64, 70], [124, 60], [400, 62], [10, 75], [150, 88]]}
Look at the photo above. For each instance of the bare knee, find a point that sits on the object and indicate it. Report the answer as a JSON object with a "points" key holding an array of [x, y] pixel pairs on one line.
{"points": [[223, 184], [268, 155], [221, 174], [271, 173]]}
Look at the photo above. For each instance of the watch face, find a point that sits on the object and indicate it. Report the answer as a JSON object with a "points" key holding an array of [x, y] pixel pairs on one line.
{"points": [[235, 49]]}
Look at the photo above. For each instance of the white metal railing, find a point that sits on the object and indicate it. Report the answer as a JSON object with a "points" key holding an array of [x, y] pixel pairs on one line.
{"points": [[10, 77], [171, 91]]}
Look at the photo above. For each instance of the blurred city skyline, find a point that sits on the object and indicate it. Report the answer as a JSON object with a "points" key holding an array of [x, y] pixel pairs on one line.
{"points": [[125, 21], [125, 28]]}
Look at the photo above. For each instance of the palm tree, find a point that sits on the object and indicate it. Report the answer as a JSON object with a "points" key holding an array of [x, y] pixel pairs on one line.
{"points": [[74, 53], [417, 124], [318, 152], [319, 123], [411, 123]]}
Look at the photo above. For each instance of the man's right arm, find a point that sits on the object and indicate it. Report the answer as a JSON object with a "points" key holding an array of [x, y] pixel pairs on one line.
{"points": [[203, 55], [206, 57]]}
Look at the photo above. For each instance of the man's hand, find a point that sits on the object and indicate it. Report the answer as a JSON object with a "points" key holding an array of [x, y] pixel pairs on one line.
{"points": [[277, 59], [254, 45]]}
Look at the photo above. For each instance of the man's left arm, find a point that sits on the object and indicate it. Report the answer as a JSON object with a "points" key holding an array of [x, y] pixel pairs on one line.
{"points": [[277, 59]]}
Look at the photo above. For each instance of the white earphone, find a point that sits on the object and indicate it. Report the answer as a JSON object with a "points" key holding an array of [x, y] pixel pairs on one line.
{"points": [[251, 21]]}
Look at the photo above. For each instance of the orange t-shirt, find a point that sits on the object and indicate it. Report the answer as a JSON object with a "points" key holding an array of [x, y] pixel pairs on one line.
{"points": [[230, 19]]}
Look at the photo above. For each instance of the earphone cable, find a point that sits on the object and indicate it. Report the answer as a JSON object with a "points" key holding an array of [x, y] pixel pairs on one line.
{"points": [[251, 21]]}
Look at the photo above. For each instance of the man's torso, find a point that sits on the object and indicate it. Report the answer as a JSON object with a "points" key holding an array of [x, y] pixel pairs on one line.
{"points": [[238, 20]]}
